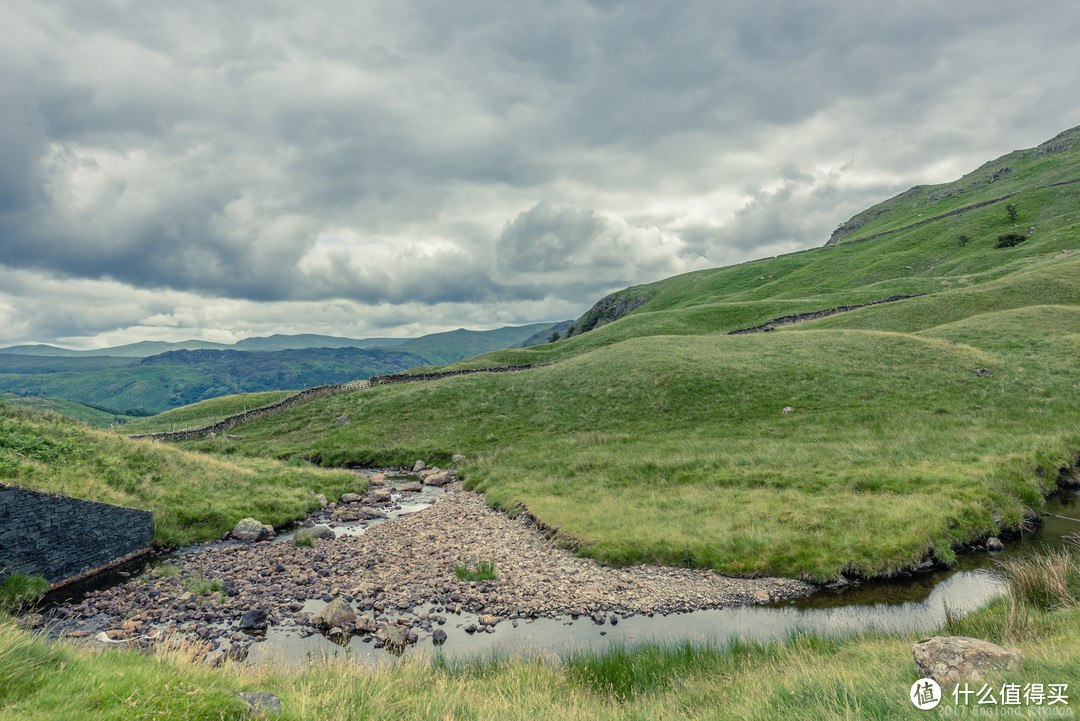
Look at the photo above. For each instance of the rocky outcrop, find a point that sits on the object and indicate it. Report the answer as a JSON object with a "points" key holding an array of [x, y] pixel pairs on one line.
{"points": [[607, 309], [950, 660]]}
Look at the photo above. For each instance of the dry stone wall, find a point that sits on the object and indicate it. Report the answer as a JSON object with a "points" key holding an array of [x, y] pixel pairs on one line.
{"points": [[64, 538], [814, 315]]}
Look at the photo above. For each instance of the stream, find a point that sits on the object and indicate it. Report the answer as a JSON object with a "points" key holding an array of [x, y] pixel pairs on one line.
{"points": [[918, 602]]}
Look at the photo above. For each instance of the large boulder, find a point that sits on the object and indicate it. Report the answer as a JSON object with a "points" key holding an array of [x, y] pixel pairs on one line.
{"points": [[950, 660], [316, 532], [438, 479], [418, 466], [248, 529], [377, 496], [338, 613], [351, 498]]}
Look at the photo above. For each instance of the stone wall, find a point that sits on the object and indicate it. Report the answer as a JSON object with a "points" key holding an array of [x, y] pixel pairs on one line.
{"points": [[64, 538], [814, 315]]}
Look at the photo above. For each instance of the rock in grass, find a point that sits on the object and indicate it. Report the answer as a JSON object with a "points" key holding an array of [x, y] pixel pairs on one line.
{"points": [[950, 660], [983, 372], [248, 529], [351, 498], [458, 458], [994, 544], [260, 702], [439, 479], [418, 466]]}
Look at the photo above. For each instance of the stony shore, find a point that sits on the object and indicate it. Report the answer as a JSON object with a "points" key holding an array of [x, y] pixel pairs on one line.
{"points": [[391, 570]]}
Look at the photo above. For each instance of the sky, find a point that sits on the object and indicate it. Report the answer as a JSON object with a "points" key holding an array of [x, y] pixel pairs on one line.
{"points": [[223, 170]]}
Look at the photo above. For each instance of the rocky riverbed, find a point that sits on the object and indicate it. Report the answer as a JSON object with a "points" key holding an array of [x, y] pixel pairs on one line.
{"points": [[396, 581]]}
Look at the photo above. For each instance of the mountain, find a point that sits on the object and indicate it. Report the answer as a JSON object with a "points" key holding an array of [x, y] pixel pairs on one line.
{"points": [[308, 340], [459, 344], [915, 392]]}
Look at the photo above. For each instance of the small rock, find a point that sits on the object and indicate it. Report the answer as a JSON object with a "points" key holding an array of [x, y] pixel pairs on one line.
{"points": [[393, 635], [323, 503], [418, 466], [316, 532], [411, 487], [374, 496], [260, 702], [488, 620], [787, 410], [438, 637], [341, 419], [458, 458], [351, 498], [950, 660], [234, 438], [994, 544], [983, 372]]}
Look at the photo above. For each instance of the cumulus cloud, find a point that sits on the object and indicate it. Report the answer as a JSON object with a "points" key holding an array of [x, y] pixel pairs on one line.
{"points": [[494, 162]]}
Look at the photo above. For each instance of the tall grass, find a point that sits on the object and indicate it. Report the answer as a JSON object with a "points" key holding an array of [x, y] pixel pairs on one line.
{"points": [[20, 589]]}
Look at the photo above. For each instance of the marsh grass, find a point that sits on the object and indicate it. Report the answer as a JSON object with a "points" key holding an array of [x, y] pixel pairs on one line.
{"points": [[483, 571]]}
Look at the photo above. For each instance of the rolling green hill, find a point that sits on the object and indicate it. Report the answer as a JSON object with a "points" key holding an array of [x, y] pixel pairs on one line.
{"points": [[862, 443]]}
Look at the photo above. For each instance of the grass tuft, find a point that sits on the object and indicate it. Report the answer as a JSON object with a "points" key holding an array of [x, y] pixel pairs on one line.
{"points": [[20, 589], [484, 571]]}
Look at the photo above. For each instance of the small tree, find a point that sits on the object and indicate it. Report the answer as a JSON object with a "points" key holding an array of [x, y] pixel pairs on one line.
{"points": [[1008, 240], [963, 238], [554, 337], [1010, 209]]}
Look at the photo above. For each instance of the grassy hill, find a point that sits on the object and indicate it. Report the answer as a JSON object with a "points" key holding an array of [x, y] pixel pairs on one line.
{"points": [[657, 437], [194, 497]]}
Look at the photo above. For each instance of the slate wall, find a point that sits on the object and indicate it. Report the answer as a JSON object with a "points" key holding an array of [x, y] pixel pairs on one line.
{"points": [[62, 538]]}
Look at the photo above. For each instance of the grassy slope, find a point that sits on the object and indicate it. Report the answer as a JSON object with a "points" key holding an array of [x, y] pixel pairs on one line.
{"points": [[659, 438], [71, 409], [203, 413], [193, 497]]}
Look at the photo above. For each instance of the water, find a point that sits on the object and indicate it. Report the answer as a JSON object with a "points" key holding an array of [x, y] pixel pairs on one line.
{"points": [[920, 602]]}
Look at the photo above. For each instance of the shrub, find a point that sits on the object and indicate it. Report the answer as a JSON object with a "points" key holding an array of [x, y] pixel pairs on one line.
{"points": [[485, 571], [1008, 240]]}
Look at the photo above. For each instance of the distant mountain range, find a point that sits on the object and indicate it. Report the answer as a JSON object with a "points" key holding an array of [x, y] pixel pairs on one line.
{"points": [[156, 376]]}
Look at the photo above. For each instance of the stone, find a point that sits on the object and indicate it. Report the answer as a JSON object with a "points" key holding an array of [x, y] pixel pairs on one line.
{"points": [[488, 620], [950, 660], [248, 529], [393, 635], [439, 479], [323, 503], [983, 372], [438, 637], [374, 496], [316, 532], [254, 620], [378, 479], [338, 613], [418, 466], [458, 458], [234, 438], [351, 498], [341, 419], [260, 702], [994, 544], [787, 410], [411, 487]]}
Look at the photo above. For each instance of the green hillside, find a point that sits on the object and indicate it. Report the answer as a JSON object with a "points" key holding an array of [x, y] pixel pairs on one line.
{"points": [[99, 416], [658, 437], [194, 497]]}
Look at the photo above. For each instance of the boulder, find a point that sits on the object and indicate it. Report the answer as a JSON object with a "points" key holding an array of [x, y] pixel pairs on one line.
{"points": [[254, 620], [374, 496], [994, 544], [338, 613], [950, 660], [378, 479], [418, 466], [393, 635], [351, 498], [439, 479], [316, 532], [411, 487], [248, 529], [438, 637], [488, 620], [458, 458], [323, 503]]}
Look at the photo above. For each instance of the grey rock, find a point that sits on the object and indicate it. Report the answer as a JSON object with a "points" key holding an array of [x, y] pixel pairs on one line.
{"points": [[982, 372], [254, 620], [393, 635], [994, 544], [316, 532], [438, 637], [260, 702], [341, 419], [458, 458], [787, 410], [248, 529], [488, 620], [418, 466], [338, 613], [323, 503], [351, 498], [950, 660], [438, 479], [411, 487], [376, 496]]}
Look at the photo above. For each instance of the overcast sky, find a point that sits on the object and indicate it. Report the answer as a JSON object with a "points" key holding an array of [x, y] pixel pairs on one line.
{"points": [[173, 170]]}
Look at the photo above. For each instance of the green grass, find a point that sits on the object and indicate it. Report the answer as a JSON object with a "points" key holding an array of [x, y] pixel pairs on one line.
{"points": [[484, 571], [20, 589], [203, 413], [866, 676], [193, 497]]}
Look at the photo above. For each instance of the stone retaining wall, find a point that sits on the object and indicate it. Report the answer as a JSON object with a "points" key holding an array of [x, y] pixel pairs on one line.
{"points": [[64, 538], [814, 315]]}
